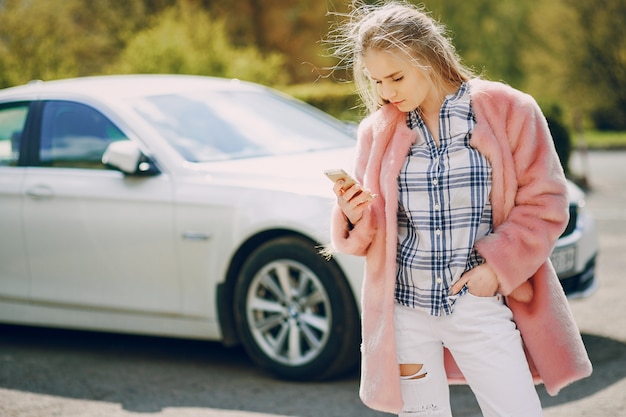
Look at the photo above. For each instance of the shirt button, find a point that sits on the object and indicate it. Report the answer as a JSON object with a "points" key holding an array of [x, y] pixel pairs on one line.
{"points": [[435, 181], [438, 232], [439, 280], [437, 207]]}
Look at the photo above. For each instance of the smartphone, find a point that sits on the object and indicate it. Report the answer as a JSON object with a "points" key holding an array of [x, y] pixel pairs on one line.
{"points": [[339, 174]]}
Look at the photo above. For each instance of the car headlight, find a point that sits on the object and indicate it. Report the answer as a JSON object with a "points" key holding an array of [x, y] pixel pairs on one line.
{"points": [[574, 213]]}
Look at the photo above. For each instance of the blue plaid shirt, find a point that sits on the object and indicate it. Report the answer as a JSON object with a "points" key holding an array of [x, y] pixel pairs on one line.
{"points": [[443, 208]]}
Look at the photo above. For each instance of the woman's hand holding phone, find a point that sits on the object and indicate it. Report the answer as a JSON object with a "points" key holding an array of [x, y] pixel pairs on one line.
{"points": [[352, 198]]}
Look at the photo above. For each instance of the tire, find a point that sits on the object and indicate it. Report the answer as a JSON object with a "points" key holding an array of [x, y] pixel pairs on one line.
{"points": [[295, 313]]}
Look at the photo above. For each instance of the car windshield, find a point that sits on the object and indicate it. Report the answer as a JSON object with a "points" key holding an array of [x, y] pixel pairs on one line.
{"points": [[219, 125]]}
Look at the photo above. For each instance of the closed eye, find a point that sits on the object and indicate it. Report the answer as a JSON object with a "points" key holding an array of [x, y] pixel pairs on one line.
{"points": [[395, 80]]}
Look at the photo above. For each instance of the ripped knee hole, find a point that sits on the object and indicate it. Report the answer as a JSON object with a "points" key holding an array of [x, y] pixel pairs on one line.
{"points": [[412, 371]]}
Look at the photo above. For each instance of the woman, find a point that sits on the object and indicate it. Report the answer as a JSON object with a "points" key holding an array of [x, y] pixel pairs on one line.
{"points": [[470, 200]]}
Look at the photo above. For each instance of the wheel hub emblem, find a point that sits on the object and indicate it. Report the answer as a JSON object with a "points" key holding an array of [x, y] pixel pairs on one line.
{"points": [[293, 312]]}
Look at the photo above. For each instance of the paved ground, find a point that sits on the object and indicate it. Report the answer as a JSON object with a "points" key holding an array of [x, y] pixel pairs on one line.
{"points": [[47, 373]]}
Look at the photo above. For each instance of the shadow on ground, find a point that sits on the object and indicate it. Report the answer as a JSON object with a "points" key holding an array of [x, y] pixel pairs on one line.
{"points": [[608, 357], [147, 374]]}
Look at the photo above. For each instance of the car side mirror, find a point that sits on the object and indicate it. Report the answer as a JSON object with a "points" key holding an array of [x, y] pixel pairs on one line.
{"points": [[126, 156]]}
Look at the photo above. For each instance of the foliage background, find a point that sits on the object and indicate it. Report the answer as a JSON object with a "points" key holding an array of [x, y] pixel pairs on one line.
{"points": [[570, 55]]}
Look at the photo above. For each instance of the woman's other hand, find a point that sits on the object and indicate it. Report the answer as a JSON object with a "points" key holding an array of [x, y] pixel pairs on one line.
{"points": [[481, 281]]}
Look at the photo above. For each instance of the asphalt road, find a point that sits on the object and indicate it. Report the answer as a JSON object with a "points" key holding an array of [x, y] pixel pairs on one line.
{"points": [[45, 373]]}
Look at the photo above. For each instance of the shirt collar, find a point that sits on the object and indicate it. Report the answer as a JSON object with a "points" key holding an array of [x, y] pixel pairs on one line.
{"points": [[460, 97]]}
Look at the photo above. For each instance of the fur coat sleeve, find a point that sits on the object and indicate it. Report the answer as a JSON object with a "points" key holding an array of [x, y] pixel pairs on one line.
{"points": [[530, 210], [529, 188]]}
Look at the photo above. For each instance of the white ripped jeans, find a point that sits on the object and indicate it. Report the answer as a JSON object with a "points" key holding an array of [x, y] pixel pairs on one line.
{"points": [[484, 342]]}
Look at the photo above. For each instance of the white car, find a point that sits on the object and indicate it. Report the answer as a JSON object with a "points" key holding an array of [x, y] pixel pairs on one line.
{"points": [[188, 207]]}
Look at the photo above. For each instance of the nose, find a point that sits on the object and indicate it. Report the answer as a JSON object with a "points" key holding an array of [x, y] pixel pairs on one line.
{"points": [[387, 91]]}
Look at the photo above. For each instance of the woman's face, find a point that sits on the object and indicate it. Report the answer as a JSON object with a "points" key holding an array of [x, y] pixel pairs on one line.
{"points": [[399, 81]]}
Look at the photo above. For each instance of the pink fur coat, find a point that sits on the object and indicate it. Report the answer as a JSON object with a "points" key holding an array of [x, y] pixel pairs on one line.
{"points": [[530, 210]]}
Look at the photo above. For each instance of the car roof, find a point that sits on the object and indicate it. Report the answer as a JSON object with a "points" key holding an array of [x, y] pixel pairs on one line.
{"points": [[126, 86]]}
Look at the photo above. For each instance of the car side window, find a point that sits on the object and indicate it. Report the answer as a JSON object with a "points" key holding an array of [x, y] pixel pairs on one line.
{"points": [[12, 121], [74, 135]]}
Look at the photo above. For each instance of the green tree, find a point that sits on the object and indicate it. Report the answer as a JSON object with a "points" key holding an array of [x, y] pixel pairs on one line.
{"points": [[489, 35], [600, 64], [547, 54], [577, 57], [47, 40], [185, 39], [294, 28]]}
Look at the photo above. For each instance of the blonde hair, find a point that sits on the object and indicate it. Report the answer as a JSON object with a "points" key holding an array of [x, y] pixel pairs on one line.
{"points": [[397, 27]]}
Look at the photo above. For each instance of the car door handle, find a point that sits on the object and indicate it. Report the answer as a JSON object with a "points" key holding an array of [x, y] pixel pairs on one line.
{"points": [[40, 192], [196, 236]]}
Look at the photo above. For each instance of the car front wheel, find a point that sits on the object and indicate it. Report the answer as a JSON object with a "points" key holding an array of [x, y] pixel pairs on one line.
{"points": [[295, 313]]}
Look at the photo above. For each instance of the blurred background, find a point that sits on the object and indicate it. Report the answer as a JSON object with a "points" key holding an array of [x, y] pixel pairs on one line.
{"points": [[570, 55]]}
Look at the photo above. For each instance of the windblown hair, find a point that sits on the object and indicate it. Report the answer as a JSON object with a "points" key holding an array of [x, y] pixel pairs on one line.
{"points": [[396, 27]]}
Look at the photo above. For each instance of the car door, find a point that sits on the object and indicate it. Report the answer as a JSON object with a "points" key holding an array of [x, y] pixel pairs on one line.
{"points": [[95, 237], [13, 266]]}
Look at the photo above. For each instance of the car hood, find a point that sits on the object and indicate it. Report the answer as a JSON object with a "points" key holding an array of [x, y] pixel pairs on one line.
{"points": [[301, 173]]}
